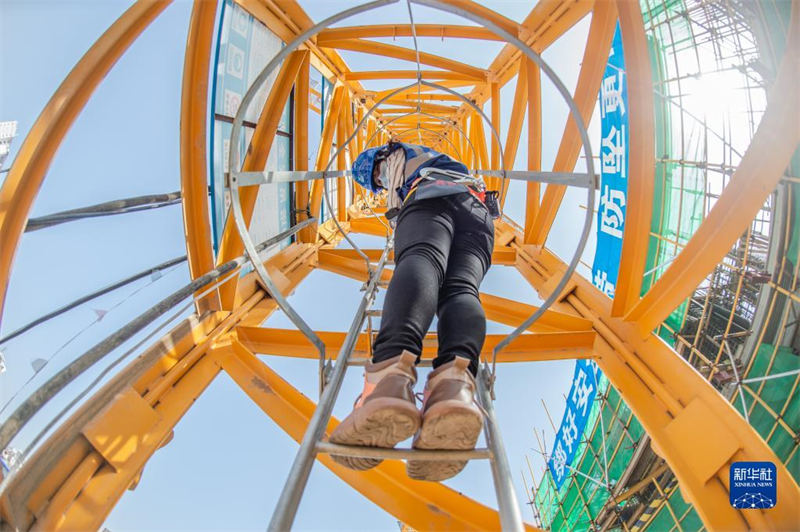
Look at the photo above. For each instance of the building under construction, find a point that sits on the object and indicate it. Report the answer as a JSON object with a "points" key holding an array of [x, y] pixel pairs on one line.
{"points": [[685, 330]]}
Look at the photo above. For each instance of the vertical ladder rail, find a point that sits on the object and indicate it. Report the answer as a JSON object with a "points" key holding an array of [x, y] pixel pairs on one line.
{"points": [[289, 500], [510, 516]]}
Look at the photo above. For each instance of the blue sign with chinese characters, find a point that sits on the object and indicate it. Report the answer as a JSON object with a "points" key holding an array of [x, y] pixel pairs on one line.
{"points": [[610, 225], [579, 405], [753, 485], [614, 169]]}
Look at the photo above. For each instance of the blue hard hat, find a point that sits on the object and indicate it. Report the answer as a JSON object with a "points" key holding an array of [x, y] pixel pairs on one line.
{"points": [[362, 168]]}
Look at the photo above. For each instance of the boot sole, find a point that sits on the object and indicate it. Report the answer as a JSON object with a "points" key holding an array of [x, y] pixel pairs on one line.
{"points": [[383, 422], [449, 425]]}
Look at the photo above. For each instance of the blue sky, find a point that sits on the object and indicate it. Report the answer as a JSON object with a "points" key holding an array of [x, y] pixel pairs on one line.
{"points": [[227, 463]]}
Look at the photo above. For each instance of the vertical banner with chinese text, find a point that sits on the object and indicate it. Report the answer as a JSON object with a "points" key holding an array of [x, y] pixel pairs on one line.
{"points": [[579, 406], [614, 168], [610, 225]]}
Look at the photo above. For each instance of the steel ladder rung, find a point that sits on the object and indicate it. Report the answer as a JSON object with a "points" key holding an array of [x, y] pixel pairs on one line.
{"points": [[401, 453]]}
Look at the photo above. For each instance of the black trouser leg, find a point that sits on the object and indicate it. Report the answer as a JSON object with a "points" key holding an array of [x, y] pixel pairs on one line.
{"points": [[462, 320], [442, 250], [421, 246]]}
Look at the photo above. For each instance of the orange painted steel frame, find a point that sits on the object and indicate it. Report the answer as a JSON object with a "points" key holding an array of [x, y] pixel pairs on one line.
{"points": [[74, 479], [194, 175]]}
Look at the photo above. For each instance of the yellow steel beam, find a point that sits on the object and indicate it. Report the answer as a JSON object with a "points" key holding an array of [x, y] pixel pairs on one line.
{"points": [[331, 36], [759, 172], [514, 128], [405, 108], [512, 313], [496, 18], [479, 141], [69, 484], [547, 21], [300, 137], [30, 493], [323, 154], [411, 74], [90, 505], [368, 226], [422, 505], [431, 97], [424, 106], [406, 54], [494, 161], [463, 136], [427, 137], [501, 256], [371, 134], [354, 268], [641, 163], [255, 160], [404, 30], [341, 164], [533, 192], [194, 173], [536, 346], [416, 118], [671, 400], [598, 43], [360, 133], [28, 170], [413, 90]]}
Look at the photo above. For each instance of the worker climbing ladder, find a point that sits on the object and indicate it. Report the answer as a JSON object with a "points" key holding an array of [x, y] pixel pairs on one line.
{"points": [[331, 378], [313, 442]]}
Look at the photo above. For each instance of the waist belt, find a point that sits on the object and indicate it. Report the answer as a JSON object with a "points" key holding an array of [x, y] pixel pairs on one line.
{"points": [[473, 185]]}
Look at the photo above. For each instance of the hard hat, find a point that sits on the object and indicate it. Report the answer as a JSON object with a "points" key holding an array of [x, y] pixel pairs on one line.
{"points": [[362, 168]]}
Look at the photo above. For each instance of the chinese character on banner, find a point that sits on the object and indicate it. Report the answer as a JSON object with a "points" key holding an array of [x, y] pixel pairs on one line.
{"points": [[611, 95], [559, 461], [581, 392], [612, 217], [570, 433], [613, 152], [579, 406], [576, 415], [601, 281]]}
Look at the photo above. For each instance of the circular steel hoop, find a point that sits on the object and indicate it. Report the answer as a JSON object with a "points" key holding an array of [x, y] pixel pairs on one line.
{"points": [[442, 6]]}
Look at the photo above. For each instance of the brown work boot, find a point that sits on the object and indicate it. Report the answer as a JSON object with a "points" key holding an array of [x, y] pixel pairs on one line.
{"points": [[384, 414], [450, 420]]}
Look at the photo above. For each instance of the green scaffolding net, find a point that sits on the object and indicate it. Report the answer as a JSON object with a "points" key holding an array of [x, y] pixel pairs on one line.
{"points": [[741, 328]]}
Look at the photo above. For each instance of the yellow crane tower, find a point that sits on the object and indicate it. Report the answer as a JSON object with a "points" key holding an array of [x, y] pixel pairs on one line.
{"points": [[698, 347]]}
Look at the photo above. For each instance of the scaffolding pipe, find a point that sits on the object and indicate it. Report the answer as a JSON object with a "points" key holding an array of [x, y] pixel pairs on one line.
{"points": [[88, 297], [108, 208], [60, 380]]}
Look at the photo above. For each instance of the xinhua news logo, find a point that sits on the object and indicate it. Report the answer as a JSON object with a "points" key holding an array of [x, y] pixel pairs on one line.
{"points": [[753, 485]]}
